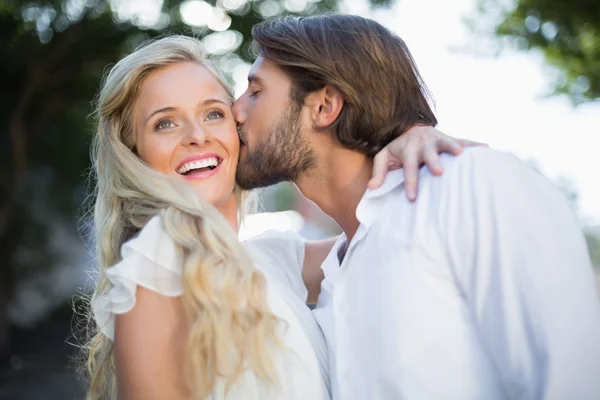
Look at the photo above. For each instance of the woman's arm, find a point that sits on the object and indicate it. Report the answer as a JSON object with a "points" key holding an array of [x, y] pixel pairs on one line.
{"points": [[314, 254], [149, 348]]}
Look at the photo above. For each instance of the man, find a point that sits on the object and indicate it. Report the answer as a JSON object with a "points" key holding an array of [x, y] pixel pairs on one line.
{"points": [[480, 289]]}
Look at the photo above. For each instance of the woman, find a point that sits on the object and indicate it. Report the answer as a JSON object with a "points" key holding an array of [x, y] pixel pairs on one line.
{"points": [[182, 309]]}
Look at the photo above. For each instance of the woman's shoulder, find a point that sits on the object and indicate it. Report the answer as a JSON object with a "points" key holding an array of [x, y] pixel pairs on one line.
{"points": [[280, 255], [274, 239], [154, 244], [149, 260]]}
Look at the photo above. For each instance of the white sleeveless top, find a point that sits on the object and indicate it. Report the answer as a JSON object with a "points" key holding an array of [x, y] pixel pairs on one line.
{"points": [[151, 261]]}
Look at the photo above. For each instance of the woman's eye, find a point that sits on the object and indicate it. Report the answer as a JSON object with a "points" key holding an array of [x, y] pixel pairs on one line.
{"points": [[164, 124], [215, 114], [254, 93]]}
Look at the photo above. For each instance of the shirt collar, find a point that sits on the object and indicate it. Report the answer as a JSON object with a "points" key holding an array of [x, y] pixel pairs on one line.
{"points": [[331, 265], [365, 213], [366, 210]]}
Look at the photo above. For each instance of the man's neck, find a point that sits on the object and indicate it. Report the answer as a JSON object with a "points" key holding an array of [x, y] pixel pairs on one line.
{"points": [[337, 185]]}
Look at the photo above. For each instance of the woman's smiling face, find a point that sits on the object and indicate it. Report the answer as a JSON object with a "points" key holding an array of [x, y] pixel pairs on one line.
{"points": [[184, 128]]}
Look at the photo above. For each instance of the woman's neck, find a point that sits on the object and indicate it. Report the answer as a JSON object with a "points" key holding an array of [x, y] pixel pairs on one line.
{"points": [[229, 209]]}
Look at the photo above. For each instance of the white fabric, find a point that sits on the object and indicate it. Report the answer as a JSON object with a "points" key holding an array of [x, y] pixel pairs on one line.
{"points": [[280, 254], [151, 260], [272, 250], [481, 289]]}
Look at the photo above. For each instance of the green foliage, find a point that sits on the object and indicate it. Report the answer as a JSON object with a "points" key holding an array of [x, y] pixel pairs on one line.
{"points": [[567, 32], [593, 243]]}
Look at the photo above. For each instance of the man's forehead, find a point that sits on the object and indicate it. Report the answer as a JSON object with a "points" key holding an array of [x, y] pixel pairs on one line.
{"points": [[263, 69]]}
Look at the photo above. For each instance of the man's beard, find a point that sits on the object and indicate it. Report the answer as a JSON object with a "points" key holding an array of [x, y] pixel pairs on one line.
{"points": [[282, 156]]}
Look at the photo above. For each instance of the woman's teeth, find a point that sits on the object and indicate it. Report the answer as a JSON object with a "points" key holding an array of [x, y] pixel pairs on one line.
{"points": [[210, 163]]}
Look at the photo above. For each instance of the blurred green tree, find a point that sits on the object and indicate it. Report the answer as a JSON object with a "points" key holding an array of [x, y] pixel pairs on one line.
{"points": [[567, 32], [54, 53], [591, 231], [593, 242]]}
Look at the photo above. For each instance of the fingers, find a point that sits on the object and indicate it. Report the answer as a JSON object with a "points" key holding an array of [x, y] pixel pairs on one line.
{"points": [[432, 160], [470, 143], [380, 169], [411, 173], [449, 145]]}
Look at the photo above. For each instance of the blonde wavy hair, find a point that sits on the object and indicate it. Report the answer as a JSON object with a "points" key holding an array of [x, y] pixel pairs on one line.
{"points": [[230, 326]]}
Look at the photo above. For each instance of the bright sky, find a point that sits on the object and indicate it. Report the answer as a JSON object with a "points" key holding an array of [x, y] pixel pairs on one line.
{"points": [[498, 100]]}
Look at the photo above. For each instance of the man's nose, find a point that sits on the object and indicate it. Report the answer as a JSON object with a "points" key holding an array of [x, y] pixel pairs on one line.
{"points": [[239, 111]]}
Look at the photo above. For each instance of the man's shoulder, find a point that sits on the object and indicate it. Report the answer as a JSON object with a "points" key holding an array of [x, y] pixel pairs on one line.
{"points": [[475, 170], [478, 166], [472, 161], [478, 156], [483, 175]]}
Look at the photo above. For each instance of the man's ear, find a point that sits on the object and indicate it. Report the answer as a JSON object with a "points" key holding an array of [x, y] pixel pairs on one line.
{"points": [[325, 106]]}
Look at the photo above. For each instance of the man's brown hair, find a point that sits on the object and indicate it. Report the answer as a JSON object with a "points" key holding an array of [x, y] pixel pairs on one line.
{"points": [[383, 92]]}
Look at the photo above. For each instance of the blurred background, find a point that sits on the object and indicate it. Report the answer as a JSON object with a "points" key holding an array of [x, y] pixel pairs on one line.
{"points": [[520, 75]]}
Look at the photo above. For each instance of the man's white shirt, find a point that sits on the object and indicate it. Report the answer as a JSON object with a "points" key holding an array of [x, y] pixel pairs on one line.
{"points": [[481, 289]]}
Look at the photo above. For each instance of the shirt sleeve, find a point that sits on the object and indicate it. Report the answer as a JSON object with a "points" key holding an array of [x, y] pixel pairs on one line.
{"points": [[280, 254], [149, 260], [520, 258]]}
